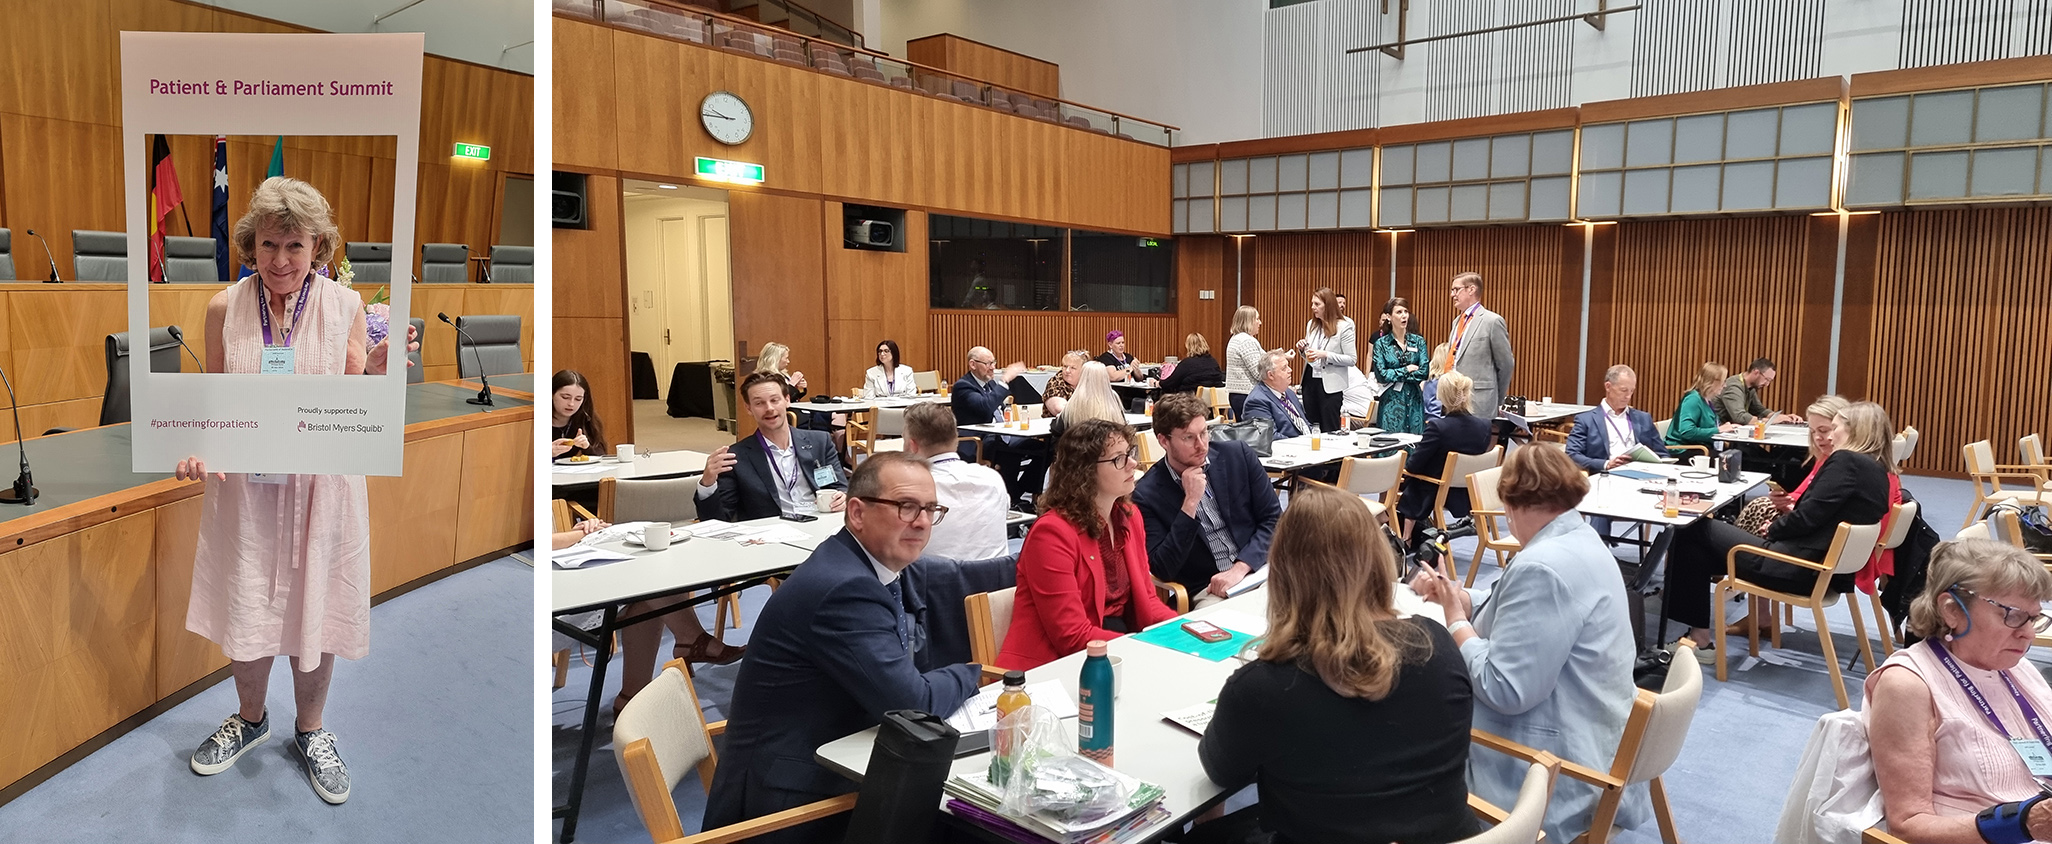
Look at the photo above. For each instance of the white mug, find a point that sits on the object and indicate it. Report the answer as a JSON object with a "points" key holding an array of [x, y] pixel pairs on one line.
{"points": [[626, 452], [1118, 676], [823, 500], [656, 536], [1700, 462], [1546, 400]]}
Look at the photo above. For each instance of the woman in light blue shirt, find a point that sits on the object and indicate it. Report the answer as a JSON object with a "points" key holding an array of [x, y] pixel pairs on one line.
{"points": [[1550, 652]]}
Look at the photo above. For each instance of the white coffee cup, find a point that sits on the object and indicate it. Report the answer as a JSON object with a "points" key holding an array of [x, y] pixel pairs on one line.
{"points": [[823, 500], [656, 536], [1699, 461], [1118, 676], [1545, 399], [625, 452]]}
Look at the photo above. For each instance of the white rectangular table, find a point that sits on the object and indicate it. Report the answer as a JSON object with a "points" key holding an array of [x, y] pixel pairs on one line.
{"points": [[1039, 428], [1294, 453], [1155, 680], [662, 464], [1786, 436], [1546, 413], [1624, 499], [848, 404]]}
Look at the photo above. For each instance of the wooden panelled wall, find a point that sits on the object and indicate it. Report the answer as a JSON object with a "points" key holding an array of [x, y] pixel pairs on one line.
{"points": [[60, 137], [990, 64]]}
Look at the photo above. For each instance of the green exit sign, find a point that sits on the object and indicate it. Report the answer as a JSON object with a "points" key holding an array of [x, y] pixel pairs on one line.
{"points": [[721, 170], [476, 151]]}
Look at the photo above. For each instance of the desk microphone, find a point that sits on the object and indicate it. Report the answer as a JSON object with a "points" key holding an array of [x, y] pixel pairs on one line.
{"points": [[484, 396], [47, 254], [24, 491], [180, 337]]}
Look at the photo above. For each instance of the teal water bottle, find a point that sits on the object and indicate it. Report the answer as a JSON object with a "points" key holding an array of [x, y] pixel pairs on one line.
{"points": [[1094, 727]]}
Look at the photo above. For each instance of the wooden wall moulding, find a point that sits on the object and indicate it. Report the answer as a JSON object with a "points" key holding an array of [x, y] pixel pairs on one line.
{"points": [[1721, 99], [1964, 75], [1475, 127], [1348, 139], [1016, 71], [1532, 275]]}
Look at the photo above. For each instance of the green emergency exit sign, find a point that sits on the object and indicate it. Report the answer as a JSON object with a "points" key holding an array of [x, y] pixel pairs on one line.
{"points": [[479, 152], [740, 172]]}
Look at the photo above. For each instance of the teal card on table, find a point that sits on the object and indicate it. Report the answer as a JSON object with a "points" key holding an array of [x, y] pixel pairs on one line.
{"points": [[1171, 635]]}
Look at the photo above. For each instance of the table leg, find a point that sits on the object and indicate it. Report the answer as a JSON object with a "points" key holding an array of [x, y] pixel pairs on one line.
{"points": [[602, 652]]}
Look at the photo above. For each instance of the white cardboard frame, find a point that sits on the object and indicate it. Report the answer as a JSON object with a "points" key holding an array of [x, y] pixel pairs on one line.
{"points": [[245, 422]]}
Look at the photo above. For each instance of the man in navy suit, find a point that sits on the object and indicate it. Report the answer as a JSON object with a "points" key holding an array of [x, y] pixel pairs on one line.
{"points": [[1273, 400], [832, 652], [1208, 508], [979, 399], [775, 472], [1604, 436]]}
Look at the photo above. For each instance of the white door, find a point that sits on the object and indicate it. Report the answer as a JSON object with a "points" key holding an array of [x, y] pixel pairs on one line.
{"points": [[710, 314]]}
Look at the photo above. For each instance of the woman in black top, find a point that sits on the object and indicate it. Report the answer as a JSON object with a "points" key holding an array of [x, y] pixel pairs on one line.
{"points": [[1353, 721], [1122, 365], [1199, 369], [573, 430]]}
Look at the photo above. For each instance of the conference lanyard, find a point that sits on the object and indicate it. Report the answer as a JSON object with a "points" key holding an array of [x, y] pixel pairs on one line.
{"points": [[2033, 751], [264, 311], [1624, 434], [771, 452]]}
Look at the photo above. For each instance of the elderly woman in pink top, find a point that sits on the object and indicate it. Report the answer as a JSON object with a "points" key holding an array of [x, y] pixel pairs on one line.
{"points": [[283, 565], [1958, 723]]}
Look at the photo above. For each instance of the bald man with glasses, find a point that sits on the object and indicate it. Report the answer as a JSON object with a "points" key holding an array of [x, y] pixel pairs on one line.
{"points": [[979, 399]]}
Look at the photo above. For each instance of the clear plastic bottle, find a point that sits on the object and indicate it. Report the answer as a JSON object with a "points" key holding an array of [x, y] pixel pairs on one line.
{"points": [[1094, 727], [1670, 499], [1013, 699]]}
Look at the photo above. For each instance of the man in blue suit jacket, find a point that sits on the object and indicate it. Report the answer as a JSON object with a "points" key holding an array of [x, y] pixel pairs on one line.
{"points": [[979, 399], [1272, 399], [777, 471], [832, 652], [1208, 508], [1604, 435]]}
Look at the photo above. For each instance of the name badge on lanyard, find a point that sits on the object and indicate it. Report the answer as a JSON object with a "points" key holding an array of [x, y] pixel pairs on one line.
{"points": [[267, 478], [822, 477], [279, 359], [2032, 751]]}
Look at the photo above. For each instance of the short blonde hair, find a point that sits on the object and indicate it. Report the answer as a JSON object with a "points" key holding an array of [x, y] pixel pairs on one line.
{"points": [[1243, 319], [1827, 406], [1442, 360], [1195, 345], [1865, 428], [288, 204], [1980, 566], [1456, 393], [773, 358]]}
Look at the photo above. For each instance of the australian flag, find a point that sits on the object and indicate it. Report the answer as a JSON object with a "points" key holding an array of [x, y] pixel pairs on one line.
{"points": [[221, 208]]}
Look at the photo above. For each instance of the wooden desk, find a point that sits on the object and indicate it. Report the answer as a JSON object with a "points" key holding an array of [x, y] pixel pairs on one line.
{"points": [[94, 578]]}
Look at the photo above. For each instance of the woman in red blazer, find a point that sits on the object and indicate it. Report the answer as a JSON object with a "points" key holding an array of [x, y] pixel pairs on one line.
{"points": [[1083, 571]]}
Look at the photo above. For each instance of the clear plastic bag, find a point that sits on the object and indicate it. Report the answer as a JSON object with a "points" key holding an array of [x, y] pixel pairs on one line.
{"points": [[1037, 771]]}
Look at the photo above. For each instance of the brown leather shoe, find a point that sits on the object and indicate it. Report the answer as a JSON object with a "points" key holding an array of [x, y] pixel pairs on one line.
{"points": [[709, 649]]}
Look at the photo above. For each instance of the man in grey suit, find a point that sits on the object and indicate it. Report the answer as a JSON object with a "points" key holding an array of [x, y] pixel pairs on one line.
{"points": [[1480, 343]]}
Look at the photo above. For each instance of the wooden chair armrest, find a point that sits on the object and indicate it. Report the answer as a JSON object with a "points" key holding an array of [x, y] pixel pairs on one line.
{"points": [[1173, 594], [1731, 559], [2032, 476], [1485, 512], [715, 728], [1877, 835], [1486, 810], [990, 674], [582, 514], [1424, 478], [769, 823], [2021, 467], [1530, 754]]}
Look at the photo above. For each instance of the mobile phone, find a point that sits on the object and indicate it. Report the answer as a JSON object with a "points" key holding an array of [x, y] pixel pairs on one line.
{"points": [[974, 741], [1205, 631], [797, 517], [1775, 488]]}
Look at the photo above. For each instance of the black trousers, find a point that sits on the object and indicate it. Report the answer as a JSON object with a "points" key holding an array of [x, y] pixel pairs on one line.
{"points": [[1695, 561], [1320, 407], [1238, 401], [1023, 466]]}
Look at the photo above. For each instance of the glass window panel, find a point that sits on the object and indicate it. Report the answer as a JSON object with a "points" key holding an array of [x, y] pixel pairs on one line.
{"points": [[1200, 216], [1938, 175], [1748, 186], [1469, 202], [1603, 146], [1510, 156], [1600, 194], [1261, 213], [1179, 181], [1645, 192], [2005, 172], [1434, 161], [1431, 205], [1695, 188], [1699, 138], [1232, 214], [974, 263], [1471, 159], [2045, 170], [1357, 206], [1322, 209], [1291, 172], [1876, 179], [1357, 167], [2008, 114], [1232, 177], [1751, 134], [1201, 182], [1553, 152], [1325, 168], [1803, 183], [1946, 117], [1181, 222], [1117, 273], [1648, 142], [1507, 201], [1808, 129], [1289, 211], [1549, 199], [1261, 175], [1880, 123]]}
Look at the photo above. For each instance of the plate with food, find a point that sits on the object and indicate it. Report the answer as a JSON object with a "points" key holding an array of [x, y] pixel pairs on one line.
{"points": [[576, 460]]}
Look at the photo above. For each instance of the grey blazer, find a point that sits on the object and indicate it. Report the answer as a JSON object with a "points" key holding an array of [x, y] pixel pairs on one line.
{"points": [[1484, 355]]}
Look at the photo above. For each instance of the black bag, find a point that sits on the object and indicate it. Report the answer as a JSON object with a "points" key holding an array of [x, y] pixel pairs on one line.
{"points": [[1514, 404], [2035, 526], [901, 792], [1257, 434], [1730, 466], [1912, 561]]}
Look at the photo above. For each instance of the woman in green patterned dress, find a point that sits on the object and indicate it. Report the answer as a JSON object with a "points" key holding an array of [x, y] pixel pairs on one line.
{"points": [[1401, 357]]}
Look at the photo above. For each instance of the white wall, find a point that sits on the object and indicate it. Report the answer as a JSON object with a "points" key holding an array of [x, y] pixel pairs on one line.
{"points": [[1189, 63], [495, 33], [666, 285]]}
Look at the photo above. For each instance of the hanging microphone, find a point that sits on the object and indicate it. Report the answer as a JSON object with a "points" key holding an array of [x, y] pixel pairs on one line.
{"points": [[24, 490], [484, 396], [180, 337], [47, 254]]}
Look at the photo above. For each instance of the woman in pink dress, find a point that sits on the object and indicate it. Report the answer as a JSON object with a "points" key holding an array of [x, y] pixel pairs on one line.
{"points": [[283, 565]]}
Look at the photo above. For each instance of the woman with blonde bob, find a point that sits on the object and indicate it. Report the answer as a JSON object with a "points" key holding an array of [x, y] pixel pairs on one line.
{"points": [[1094, 398], [283, 564], [1354, 719], [1939, 758]]}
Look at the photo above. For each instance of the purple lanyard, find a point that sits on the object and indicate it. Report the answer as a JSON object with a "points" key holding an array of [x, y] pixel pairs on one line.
{"points": [[1624, 433], [1974, 692], [264, 311], [770, 452]]}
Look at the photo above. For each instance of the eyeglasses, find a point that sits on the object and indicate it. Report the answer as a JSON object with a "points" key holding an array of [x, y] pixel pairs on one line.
{"points": [[908, 511], [1123, 460], [2016, 617]]}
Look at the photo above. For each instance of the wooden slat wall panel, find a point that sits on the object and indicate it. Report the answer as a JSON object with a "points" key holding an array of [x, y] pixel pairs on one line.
{"points": [[1527, 277], [872, 296], [1962, 315], [1039, 337], [590, 314], [1280, 272], [1689, 291], [1205, 263], [778, 274]]}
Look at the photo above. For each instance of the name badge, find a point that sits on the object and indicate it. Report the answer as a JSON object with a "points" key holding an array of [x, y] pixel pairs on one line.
{"points": [[2035, 757], [277, 360], [823, 476], [275, 478]]}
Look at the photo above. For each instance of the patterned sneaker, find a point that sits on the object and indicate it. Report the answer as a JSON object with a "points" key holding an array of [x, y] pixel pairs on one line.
{"points": [[323, 767], [235, 737]]}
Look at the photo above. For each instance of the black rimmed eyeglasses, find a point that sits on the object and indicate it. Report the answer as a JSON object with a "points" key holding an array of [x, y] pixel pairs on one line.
{"points": [[1121, 461], [2016, 617], [908, 511]]}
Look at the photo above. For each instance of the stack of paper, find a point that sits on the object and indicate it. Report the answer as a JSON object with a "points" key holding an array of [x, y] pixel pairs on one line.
{"points": [[980, 712], [1192, 718], [979, 801]]}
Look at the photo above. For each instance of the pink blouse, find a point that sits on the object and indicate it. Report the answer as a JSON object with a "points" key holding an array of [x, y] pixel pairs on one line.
{"points": [[1975, 766]]}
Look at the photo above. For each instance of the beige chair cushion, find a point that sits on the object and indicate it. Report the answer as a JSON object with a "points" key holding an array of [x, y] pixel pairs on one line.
{"points": [[670, 500], [1001, 612], [1673, 709], [1522, 825], [666, 713]]}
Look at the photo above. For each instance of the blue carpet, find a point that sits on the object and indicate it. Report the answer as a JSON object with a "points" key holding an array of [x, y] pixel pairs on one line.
{"points": [[434, 726]]}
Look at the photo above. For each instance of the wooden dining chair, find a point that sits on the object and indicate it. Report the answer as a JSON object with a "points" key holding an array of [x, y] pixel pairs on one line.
{"points": [[1366, 420], [1150, 451], [927, 381], [2031, 452], [990, 616], [1218, 401], [661, 734], [1900, 518], [1377, 476], [884, 430], [1851, 547], [1987, 476], [1489, 534], [1455, 476], [1522, 824], [1661, 426]]}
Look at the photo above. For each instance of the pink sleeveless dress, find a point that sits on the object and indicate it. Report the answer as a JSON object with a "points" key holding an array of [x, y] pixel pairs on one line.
{"points": [[1975, 767], [284, 569]]}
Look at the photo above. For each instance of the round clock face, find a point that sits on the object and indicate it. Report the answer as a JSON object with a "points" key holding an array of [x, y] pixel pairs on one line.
{"points": [[726, 117]]}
